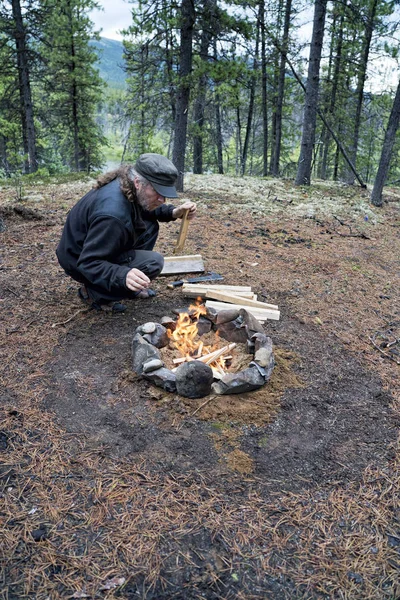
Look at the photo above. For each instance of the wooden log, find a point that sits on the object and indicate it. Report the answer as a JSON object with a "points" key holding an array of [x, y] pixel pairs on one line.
{"points": [[182, 232], [260, 314], [232, 299], [174, 265]]}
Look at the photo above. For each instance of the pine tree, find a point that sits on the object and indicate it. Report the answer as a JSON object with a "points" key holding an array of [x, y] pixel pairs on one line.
{"points": [[72, 84]]}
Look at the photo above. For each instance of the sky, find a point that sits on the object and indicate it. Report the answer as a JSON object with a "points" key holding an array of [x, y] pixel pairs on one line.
{"points": [[116, 15]]}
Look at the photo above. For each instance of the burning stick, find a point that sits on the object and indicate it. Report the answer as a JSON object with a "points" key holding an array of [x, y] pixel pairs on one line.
{"points": [[209, 358]]}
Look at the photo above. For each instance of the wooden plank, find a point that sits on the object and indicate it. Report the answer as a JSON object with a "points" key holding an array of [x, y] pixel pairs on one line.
{"points": [[227, 297], [194, 290], [168, 259], [183, 264], [182, 232], [260, 314], [217, 286]]}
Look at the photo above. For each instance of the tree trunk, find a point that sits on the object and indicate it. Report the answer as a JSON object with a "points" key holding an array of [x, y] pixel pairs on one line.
{"points": [[326, 137], [250, 112], [264, 90], [390, 135], [362, 74], [303, 176], [182, 104], [28, 125], [281, 90], [200, 102], [275, 62]]}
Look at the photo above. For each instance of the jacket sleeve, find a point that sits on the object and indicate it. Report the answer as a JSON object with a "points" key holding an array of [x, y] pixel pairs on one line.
{"points": [[105, 241], [162, 213]]}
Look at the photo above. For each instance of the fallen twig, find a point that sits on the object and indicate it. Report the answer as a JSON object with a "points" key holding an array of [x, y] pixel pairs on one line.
{"points": [[382, 352], [202, 405], [82, 310]]}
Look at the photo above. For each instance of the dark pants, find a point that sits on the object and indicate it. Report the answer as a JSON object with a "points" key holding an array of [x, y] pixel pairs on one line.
{"points": [[141, 257]]}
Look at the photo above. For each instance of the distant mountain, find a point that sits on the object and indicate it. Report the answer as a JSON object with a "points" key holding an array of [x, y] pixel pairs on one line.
{"points": [[110, 62]]}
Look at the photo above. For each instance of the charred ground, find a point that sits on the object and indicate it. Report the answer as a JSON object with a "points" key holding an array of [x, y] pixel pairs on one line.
{"points": [[113, 488]]}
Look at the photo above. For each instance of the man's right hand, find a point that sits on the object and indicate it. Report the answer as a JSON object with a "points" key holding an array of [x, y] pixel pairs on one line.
{"points": [[136, 280]]}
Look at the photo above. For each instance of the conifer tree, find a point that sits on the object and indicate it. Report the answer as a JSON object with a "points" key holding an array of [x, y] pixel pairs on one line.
{"points": [[72, 84]]}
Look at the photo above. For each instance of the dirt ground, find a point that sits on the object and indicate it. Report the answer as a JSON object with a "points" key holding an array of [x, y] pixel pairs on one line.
{"points": [[112, 488]]}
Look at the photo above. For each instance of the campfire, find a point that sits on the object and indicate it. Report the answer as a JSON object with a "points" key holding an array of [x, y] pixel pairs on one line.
{"points": [[202, 368], [186, 340]]}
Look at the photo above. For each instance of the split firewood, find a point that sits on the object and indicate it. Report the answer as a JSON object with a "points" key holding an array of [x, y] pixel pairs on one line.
{"points": [[182, 233], [232, 299], [207, 358], [260, 314], [196, 290]]}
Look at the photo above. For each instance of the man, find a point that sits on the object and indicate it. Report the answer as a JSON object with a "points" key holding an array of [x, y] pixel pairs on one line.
{"points": [[109, 235]]}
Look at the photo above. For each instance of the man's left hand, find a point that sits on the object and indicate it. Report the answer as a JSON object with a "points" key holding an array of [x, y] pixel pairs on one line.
{"points": [[178, 212]]}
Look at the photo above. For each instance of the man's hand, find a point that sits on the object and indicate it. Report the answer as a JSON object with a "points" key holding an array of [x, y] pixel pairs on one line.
{"points": [[136, 280], [178, 212]]}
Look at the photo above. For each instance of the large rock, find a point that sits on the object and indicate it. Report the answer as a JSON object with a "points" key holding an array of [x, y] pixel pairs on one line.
{"points": [[223, 316], [238, 383], [142, 352], [203, 326], [154, 333], [163, 378], [233, 331], [194, 379], [252, 325]]}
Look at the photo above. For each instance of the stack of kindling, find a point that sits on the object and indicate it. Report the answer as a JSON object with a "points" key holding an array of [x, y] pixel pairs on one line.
{"points": [[223, 297]]}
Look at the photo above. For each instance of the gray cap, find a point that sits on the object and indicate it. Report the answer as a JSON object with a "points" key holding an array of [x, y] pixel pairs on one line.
{"points": [[160, 172]]}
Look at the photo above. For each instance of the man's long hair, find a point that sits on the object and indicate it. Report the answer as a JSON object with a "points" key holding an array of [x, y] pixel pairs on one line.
{"points": [[126, 175]]}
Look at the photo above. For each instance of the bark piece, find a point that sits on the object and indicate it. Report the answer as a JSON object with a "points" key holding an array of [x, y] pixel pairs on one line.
{"points": [[194, 379]]}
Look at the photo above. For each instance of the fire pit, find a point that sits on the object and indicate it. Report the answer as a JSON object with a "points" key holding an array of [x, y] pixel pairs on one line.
{"points": [[201, 369]]}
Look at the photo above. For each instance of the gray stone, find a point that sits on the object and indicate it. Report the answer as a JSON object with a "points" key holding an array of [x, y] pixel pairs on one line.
{"points": [[159, 338], [203, 326], [260, 340], [163, 378], [250, 346], [211, 314], [266, 372], [168, 323], [152, 365], [232, 331], [238, 383], [263, 355], [194, 379], [223, 316], [252, 325], [147, 327], [142, 352]]}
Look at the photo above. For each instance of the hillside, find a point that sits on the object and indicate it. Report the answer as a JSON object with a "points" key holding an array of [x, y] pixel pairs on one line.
{"points": [[110, 62]]}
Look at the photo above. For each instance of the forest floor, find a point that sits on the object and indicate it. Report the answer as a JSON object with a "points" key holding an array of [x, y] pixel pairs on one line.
{"points": [[115, 489]]}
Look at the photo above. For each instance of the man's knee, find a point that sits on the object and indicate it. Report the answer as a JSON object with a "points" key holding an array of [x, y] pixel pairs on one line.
{"points": [[155, 265]]}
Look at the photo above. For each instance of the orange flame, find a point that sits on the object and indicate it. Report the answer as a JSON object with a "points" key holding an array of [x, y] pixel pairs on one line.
{"points": [[185, 336]]}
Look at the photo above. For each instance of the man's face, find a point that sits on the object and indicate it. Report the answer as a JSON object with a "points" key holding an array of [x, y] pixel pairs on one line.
{"points": [[147, 196]]}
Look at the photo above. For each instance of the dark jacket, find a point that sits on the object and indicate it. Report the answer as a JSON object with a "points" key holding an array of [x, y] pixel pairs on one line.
{"points": [[99, 230]]}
